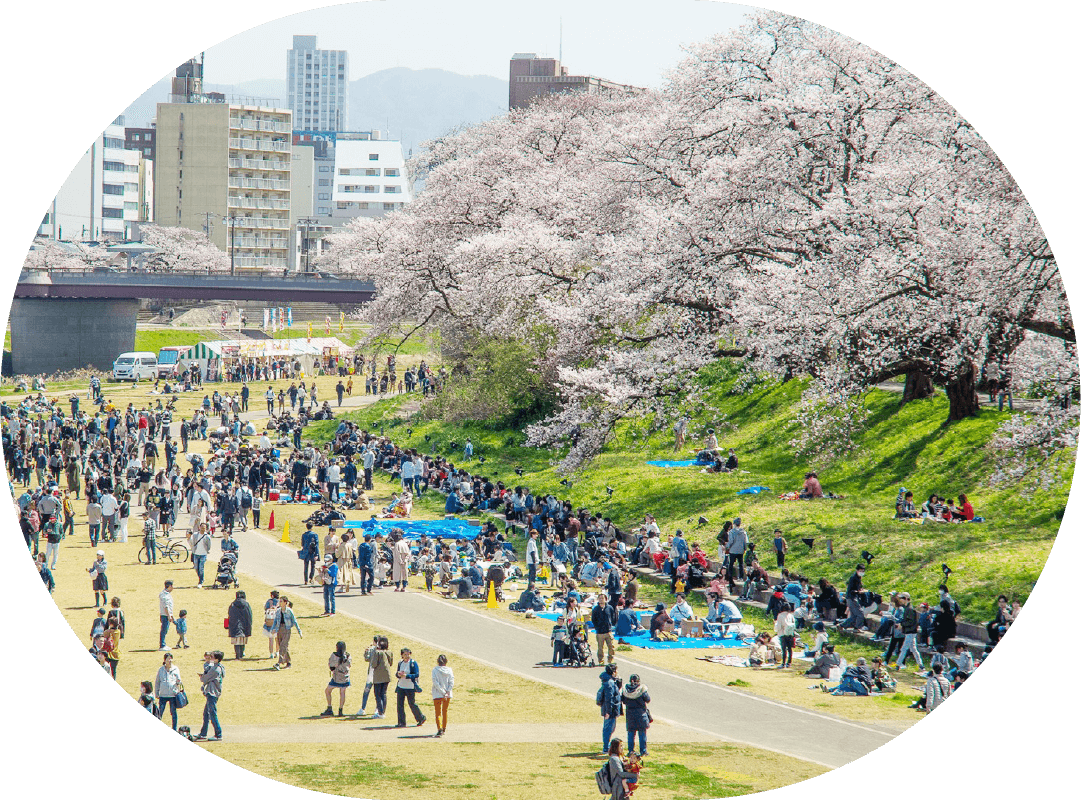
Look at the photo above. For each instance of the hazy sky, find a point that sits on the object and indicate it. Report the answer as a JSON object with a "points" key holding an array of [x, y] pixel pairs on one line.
{"points": [[627, 41]]}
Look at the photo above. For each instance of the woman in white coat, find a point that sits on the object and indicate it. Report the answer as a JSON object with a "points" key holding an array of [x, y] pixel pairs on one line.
{"points": [[166, 686], [442, 688], [401, 554]]}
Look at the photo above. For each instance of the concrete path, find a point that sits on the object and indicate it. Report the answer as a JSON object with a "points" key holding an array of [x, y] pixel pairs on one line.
{"points": [[697, 707]]}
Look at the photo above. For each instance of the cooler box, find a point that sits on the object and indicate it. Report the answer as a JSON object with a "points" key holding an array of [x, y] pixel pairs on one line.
{"points": [[272, 496]]}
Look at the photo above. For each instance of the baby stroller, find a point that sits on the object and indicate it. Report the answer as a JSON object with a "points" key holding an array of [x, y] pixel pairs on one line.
{"points": [[578, 653], [227, 572]]}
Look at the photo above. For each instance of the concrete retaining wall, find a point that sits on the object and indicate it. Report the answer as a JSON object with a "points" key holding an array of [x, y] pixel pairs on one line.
{"points": [[53, 335]]}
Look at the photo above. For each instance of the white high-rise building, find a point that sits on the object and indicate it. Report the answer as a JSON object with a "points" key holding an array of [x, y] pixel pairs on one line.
{"points": [[317, 86], [101, 197]]}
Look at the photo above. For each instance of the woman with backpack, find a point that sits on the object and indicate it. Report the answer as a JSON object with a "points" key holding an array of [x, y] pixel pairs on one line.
{"points": [[270, 613], [381, 661], [612, 777], [338, 664], [408, 673]]}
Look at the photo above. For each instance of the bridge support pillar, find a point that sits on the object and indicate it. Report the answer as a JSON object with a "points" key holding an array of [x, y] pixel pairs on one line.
{"points": [[55, 335]]}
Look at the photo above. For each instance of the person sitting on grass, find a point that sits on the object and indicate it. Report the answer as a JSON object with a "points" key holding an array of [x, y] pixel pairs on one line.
{"points": [[682, 610], [658, 624], [905, 507], [627, 623], [461, 588], [826, 661], [857, 679], [529, 600], [962, 661], [821, 640], [965, 512], [811, 487], [756, 580], [881, 678]]}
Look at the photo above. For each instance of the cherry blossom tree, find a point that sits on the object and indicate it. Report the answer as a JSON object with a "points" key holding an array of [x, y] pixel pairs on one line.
{"points": [[181, 249]]}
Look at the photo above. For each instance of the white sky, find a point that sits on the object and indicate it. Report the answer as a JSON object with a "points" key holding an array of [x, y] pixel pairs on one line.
{"points": [[631, 41]]}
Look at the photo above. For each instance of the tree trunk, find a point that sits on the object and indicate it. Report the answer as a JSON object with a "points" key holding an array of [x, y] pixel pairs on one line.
{"points": [[917, 386], [961, 389]]}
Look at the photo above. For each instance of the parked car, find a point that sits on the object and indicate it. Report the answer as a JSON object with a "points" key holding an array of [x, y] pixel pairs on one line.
{"points": [[135, 367]]}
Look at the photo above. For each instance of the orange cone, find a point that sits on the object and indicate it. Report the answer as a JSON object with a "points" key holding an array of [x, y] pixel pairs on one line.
{"points": [[270, 527]]}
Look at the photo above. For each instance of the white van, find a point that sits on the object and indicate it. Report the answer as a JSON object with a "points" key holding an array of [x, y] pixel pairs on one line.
{"points": [[135, 366]]}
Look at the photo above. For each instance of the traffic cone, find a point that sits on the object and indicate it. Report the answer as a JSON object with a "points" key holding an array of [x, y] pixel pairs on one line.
{"points": [[285, 533], [491, 597], [270, 527]]}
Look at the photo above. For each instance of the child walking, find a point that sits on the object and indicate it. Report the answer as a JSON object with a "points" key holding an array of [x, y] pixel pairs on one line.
{"points": [[559, 639], [181, 623]]}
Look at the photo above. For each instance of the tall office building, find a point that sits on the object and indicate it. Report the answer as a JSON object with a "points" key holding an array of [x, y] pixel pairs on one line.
{"points": [[532, 77], [317, 86], [224, 168]]}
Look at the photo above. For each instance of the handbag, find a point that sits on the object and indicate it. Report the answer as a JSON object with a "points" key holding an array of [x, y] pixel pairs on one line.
{"points": [[181, 696], [226, 623]]}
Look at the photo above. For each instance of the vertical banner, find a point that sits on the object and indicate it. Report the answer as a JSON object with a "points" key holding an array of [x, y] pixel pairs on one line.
{"points": [[289, 317], [224, 315], [341, 322], [309, 330], [266, 318], [281, 318], [273, 320], [326, 322]]}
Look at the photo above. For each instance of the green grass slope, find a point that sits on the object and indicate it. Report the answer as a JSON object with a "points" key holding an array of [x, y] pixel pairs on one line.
{"points": [[901, 445]]}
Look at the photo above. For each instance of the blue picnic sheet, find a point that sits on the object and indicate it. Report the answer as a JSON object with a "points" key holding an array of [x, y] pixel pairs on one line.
{"points": [[641, 638], [669, 464], [753, 490], [446, 528]]}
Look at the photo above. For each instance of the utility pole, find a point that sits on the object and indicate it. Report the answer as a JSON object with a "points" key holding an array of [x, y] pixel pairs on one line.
{"points": [[231, 221], [305, 245]]}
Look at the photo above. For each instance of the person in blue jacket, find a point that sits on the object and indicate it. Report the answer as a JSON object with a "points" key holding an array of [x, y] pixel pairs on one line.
{"points": [[309, 553], [608, 698], [454, 505], [366, 561]]}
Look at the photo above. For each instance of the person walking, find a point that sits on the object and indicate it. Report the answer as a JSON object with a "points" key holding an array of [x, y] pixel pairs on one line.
{"points": [[167, 686], [200, 549], [98, 581], [442, 691], [212, 677], [283, 627], [603, 618], [309, 553], [408, 673], [240, 622], [636, 711], [339, 664], [165, 613], [270, 613], [855, 618]]}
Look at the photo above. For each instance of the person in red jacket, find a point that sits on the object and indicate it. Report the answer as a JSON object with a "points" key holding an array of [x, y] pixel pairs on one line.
{"points": [[967, 512]]}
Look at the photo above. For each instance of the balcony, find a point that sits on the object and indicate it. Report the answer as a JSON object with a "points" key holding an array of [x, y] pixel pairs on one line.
{"points": [[258, 202], [258, 163], [263, 222], [258, 183], [258, 243], [270, 126], [260, 261], [268, 145]]}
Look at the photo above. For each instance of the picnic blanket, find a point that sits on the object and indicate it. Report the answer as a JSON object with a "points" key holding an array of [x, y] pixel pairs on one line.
{"points": [[670, 464], [753, 490], [641, 638], [413, 528]]}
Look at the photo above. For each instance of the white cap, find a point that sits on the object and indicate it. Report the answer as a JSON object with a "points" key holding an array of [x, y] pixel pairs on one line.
{"points": [[101, 552]]}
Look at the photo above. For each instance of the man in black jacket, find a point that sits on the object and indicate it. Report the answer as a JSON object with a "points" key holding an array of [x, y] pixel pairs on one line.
{"points": [[604, 620], [855, 618], [614, 585]]}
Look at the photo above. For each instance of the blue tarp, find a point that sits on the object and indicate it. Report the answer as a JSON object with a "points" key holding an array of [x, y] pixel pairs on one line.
{"points": [[446, 528], [641, 638], [753, 490], [669, 464]]}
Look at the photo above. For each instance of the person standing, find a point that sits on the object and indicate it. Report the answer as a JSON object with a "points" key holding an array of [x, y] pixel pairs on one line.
{"points": [[167, 685], [269, 401], [737, 546], [339, 664], [532, 556], [855, 618], [400, 553], [381, 660], [98, 581], [785, 628], [910, 627], [407, 673], [240, 622], [340, 389], [366, 557], [283, 626], [200, 549], [93, 519], [329, 579], [609, 701], [212, 678], [165, 614], [780, 547], [636, 711], [309, 553], [442, 691], [603, 618], [369, 465]]}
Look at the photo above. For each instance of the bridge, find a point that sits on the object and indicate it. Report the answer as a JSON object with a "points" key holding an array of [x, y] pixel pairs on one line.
{"points": [[271, 287], [69, 319]]}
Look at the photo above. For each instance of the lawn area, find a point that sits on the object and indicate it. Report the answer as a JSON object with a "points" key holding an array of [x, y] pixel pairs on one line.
{"points": [[476, 771]]}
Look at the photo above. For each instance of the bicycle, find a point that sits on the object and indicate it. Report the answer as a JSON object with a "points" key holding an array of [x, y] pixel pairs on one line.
{"points": [[172, 552]]}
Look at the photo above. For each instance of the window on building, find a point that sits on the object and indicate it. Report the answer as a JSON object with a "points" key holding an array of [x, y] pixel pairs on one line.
{"points": [[373, 156], [111, 188], [112, 213], [136, 137], [341, 204], [392, 189], [324, 181], [324, 211], [323, 196], [326, 168], [372, 172], [371, 189], [391, 173], [114, 143], [389, 206]]}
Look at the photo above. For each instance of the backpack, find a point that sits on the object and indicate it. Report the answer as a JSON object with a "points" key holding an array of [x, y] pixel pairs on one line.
{"points": [[604, 780], [270, 615]]}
